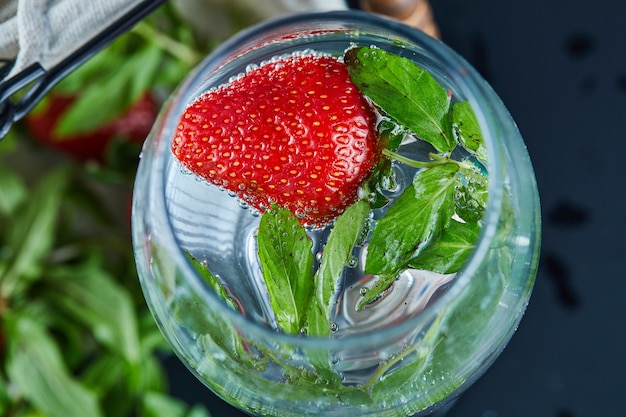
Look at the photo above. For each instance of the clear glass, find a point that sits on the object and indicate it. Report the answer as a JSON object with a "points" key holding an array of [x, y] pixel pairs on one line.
{"points": [[411, 360]]}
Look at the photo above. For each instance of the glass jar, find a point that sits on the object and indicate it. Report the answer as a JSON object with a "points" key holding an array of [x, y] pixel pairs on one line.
{"points": [[408, 361]]}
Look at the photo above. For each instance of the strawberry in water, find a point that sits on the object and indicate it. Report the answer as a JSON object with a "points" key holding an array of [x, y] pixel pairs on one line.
{"points": [[295, 132]]}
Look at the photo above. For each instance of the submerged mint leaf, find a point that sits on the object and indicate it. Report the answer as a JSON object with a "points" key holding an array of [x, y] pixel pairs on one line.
{"points": [[468, 130], [212, 281], [422, 211], [286, 256], [391, 134], [471, 196], [377, 290], [346, 233], [405, 92], [448, 253], [382, 179]]}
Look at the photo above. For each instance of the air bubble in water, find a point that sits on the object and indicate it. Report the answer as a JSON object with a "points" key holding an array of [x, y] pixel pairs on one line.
{"points": [[353, 262], [333, 327], [318, 256]]}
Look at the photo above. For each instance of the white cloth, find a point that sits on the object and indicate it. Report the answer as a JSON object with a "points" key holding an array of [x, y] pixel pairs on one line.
{"points": [[47, 31]]}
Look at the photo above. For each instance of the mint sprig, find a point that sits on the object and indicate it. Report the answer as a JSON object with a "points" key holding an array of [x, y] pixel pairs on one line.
{"points": [[406, 92], [418, 230]]}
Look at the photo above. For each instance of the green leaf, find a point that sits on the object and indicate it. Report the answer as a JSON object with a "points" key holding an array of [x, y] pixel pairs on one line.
{"points": [[14, 191], [37, 371], [145, 65], [5, 397], [198, 411], [108, 97], [94, 107], [419, 215], [217, 334], [346, 233], [383, 176], [471, 195], [285, 253], [468, 130], [405, 92], [96, 69], [375, 291], [94, 298], [156, 404], [391, 134], [448, 253], [212, 281], [382, 179], [104, 373], [30, 235]]}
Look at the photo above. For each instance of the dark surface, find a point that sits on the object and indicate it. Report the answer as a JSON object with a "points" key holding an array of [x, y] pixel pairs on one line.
{"points": [[560, 68]]}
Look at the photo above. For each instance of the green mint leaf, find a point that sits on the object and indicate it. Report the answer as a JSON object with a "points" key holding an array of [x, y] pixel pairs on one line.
{"points": [[383, 177], [448, 253], [373, 293], [156, 404], [108, 96], [198, 411], [286, 256], [217, 335], [346, 233], [146, 65], [421, 212], [405, 92], [36, 370], [212, 281], [14, 192], [468, 130], [31, 234], [99, 67], [391, 134], [105, 372], [471, 195], [97, 105], [94, 298]]}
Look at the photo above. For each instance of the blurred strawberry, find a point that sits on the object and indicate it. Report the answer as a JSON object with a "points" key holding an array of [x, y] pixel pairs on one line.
{"points": [[131, 126]]}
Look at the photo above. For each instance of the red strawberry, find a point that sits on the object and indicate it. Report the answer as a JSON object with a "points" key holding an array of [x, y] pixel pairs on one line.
{"points": [[296, 132]]}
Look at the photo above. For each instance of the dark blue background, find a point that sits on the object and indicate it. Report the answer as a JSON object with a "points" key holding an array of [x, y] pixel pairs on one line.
{"points": [[560, 68]]}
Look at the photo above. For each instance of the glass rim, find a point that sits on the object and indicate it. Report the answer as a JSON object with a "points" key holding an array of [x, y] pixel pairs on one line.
{"points": [[473, 87]]}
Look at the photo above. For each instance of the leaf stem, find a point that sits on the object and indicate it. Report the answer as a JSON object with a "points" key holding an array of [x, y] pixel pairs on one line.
{"points": [[168, 44], [437, 159], [384, 368]]}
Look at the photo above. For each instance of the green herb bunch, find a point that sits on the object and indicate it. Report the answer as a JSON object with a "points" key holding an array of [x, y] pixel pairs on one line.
{"points": [[76, 338]]}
